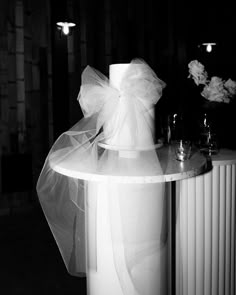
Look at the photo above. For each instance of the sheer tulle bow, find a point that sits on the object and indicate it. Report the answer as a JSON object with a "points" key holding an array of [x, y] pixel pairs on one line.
{"points": [[138, 91]]}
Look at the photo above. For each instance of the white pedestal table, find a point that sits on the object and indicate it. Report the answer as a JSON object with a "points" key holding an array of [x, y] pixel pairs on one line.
{"points": [[103, 194]]}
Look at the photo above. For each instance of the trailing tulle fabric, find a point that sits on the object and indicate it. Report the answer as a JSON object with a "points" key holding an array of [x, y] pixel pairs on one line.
{"points": [[113, 144]]}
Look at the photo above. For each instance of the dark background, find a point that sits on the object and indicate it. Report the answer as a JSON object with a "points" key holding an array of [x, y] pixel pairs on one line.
{"points": [[166, 34]]}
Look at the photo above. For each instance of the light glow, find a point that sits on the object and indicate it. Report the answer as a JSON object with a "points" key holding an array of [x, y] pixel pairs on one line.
{"points": [[209, 46], [65, 27]]}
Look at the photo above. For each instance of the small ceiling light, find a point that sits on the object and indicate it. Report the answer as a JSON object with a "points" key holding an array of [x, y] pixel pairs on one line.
{"points": [[209, 46], [65, 27]]}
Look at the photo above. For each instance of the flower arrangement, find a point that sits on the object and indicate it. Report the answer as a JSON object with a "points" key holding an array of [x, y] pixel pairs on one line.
{"points": [[215, 89]]}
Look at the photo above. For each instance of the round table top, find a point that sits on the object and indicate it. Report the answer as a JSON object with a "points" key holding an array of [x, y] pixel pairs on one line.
{"points": [[172, 169]]}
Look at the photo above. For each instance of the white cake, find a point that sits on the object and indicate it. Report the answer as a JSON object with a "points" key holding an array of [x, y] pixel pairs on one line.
{"points": [[131, 125]]}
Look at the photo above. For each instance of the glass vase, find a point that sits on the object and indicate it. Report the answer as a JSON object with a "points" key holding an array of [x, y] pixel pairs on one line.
{"points": [[208, 140]]}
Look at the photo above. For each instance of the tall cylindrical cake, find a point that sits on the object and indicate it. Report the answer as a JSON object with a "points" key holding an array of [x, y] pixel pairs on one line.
{"points": [[131, 125]]}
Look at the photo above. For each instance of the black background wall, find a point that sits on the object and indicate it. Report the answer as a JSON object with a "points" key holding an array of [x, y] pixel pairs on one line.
{"points": [[166, 34]]}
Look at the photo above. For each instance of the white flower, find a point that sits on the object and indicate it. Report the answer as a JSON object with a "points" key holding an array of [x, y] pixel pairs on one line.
{"points": [[212, 94], [214, 90], [230, 85], [197, 70], [216, 84]]}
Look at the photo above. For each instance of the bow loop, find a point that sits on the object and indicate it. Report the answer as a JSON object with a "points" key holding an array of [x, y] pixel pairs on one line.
{"points": [[141, 82], [95, 92]]}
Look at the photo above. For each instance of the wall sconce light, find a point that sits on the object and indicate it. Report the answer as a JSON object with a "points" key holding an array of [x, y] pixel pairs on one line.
{"points": [[65, 27], [209, 46]]}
